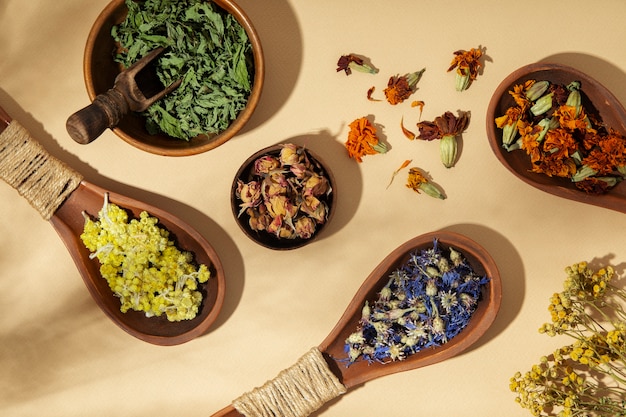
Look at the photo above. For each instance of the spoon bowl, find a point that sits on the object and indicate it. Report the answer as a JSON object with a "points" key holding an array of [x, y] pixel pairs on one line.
{"points": [[68, 221], [595, 98], [332, 348]]}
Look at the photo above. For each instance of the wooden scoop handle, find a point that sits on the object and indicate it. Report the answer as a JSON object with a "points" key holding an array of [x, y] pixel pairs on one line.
{"points": [[106, 111]]}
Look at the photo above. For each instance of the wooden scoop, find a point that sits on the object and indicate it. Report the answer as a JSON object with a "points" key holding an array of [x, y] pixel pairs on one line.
{"points": [[332, 348], [61, 195], [134, 89]]}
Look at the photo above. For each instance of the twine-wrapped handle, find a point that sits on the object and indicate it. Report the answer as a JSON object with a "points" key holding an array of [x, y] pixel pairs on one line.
{"points": [[297, 391], [39, 177]]}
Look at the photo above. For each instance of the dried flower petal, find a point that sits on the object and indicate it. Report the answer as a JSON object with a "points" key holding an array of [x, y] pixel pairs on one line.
{"points": [[369, 94], [410, 135], [404, 165], [420, 104]]}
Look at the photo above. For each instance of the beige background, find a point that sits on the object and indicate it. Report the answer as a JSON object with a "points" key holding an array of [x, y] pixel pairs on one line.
{"points": [[59, 354]]}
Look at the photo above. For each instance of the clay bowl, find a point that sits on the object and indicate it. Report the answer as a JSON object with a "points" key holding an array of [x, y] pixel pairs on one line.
{"points": [[596, 98], [100, 71], [264, 238]]}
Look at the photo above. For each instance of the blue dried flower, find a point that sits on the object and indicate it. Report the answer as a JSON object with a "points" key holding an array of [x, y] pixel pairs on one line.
{"points": [[426, 302]]}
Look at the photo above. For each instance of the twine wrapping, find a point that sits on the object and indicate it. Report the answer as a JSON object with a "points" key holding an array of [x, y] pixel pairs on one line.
{"points": [[295, 392], [37, 176]]}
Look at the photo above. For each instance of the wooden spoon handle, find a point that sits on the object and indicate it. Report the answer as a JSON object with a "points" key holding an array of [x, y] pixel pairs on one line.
{"points": [[106, 111], [296, 391], [37, 176]]}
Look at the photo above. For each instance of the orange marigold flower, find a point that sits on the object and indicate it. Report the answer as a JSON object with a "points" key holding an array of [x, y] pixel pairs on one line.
{"points": [[510, 117], [566, 115], [362, 140], [519, 94], [467, 64], [417, 181], [599, 161], [559, 143], [399, 88]]}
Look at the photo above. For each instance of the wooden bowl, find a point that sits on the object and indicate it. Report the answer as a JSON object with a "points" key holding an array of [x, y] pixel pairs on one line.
{"points": [[264, 238], [100, 71], [595, 98]]}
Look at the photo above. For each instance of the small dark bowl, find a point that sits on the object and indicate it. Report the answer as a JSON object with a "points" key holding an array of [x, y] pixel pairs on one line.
{"points": [[100, 71], [264, 238], [596, 98]]}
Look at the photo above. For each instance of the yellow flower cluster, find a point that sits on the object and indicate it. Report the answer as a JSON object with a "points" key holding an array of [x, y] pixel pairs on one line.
{"points": [[142, 266], [587, 377]]}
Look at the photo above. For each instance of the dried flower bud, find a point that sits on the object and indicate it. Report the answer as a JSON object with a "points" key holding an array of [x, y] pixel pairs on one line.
{"points": [[316, 185], [305, 227], [249, 193], [537, 89], [290, 154], [448, 149], [266, 164]]}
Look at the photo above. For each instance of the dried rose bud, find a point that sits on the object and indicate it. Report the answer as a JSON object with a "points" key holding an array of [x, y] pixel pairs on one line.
{"points": [[266, 164], [316, 185], [314, 208], [290, 154], [305, 227], [275, 226], [273, 188], [298, 170], [249, 193]]}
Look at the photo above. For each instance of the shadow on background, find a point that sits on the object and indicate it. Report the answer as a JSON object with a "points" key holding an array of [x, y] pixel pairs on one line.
{"points": [[281, 40], [512, 275], [606, 73]]}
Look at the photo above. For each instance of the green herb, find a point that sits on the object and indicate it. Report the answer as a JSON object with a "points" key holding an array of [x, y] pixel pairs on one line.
{"points": [[206, 47]]}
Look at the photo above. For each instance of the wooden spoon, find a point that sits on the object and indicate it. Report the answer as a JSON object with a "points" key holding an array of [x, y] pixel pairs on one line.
{"points": [[78, 196], [595, 96], [332, 348]]}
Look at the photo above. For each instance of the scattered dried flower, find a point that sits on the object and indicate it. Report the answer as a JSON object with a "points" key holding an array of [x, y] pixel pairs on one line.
{"points": [[561, 138], [426, 302], [399, 88], [467, 64], [417, 181], [286, 194], [404, 165], [350, 62], [362, 140], [445, 128]]}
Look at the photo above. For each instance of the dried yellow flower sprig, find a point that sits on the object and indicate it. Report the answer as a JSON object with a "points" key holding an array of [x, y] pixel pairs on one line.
{"points": [[588, 376]]}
